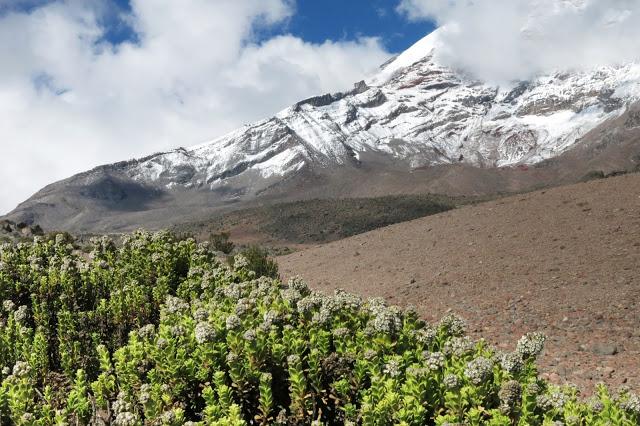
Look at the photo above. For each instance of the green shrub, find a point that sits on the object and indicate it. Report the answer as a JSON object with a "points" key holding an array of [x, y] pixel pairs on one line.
{"points": [[221, 242], [594, 175], [257, 259], [60, 237], [159, 332]]}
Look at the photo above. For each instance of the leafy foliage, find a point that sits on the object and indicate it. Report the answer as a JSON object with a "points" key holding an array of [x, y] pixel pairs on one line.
{"points": [[221, 242], [257, 259], [158, 332]]}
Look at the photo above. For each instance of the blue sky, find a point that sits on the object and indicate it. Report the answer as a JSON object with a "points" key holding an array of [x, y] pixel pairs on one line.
{"points": [[314, 21], [317, 21]]}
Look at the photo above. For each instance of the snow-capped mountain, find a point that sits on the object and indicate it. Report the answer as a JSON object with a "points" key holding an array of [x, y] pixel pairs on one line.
{"points": [[414, 110], [415, 126]]}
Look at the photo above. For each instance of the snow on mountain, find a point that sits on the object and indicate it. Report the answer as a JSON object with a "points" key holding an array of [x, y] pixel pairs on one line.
{"points": [[414, 110]]}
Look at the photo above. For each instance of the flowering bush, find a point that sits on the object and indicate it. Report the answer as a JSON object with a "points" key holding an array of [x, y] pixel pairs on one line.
{"points": [[157, 331]]}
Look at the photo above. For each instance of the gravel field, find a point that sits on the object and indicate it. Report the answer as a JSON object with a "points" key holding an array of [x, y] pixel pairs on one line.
{"points": [[564, 261]]}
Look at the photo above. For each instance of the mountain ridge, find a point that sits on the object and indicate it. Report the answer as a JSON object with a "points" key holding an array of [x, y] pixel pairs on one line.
{"points": [[413, 115]]}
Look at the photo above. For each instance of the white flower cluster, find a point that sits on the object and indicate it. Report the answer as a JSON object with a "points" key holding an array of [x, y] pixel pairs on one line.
{"points": [[21, 369], [384, 320], [392, 368], [452, 382], [240, 262], [322, 317], [177, 331], [27, 418], [168, 417], [147, 331], [270, 318], [596, 405], [201, 314], [341, 333], [243, 306], [125, 418], [175, 305], [8, 305], [434, 360], [453, 325], [60, 239], [233, 322], [35, 262], [291, 296], [265, 284], [309, 303], [232, 358], [555, 400], [250, 335], [298, 284], [124, 411], [426, 336], [21, 314], [531, 345], [459, 346], [370, 355], [196, 271], [479, 370], [67, 266], [282, 418], [533, 389], [632, 404], [232, 291], [346, 300], [293, 359], [204, 333], [511, 362], [145, 393]]}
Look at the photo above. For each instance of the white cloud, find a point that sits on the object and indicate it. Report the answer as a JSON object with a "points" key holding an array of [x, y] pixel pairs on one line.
{"points": [[69, 101], [498, 40]]}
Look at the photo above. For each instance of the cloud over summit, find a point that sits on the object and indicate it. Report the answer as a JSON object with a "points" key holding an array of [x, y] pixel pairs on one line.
{"points": [[504, 40]]}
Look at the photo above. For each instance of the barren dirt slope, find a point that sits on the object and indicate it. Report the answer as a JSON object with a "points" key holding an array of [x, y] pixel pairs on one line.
{"points": [[565, 261]]}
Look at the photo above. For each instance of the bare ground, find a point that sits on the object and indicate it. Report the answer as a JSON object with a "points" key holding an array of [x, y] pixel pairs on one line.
{"points": [[565, 261]]}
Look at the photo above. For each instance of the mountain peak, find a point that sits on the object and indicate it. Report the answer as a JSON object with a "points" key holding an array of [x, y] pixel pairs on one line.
{"points": [[417, 52], [414, 114]]}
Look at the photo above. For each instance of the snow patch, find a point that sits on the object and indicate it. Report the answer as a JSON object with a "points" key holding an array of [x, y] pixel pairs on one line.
{"points": [[417, 111], [415, 53]]}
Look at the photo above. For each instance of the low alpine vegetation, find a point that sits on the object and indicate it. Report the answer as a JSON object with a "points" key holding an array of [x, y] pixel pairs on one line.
{"points": [[159, 332]]}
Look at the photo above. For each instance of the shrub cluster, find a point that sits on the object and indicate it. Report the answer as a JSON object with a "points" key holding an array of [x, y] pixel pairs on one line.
{"points": [[256, 259], [158, 332], [222, 242]]}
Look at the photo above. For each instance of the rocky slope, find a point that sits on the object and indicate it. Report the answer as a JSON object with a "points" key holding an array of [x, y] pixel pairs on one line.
{"points": [[11, 231], [563, 261], [409, 125]]}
